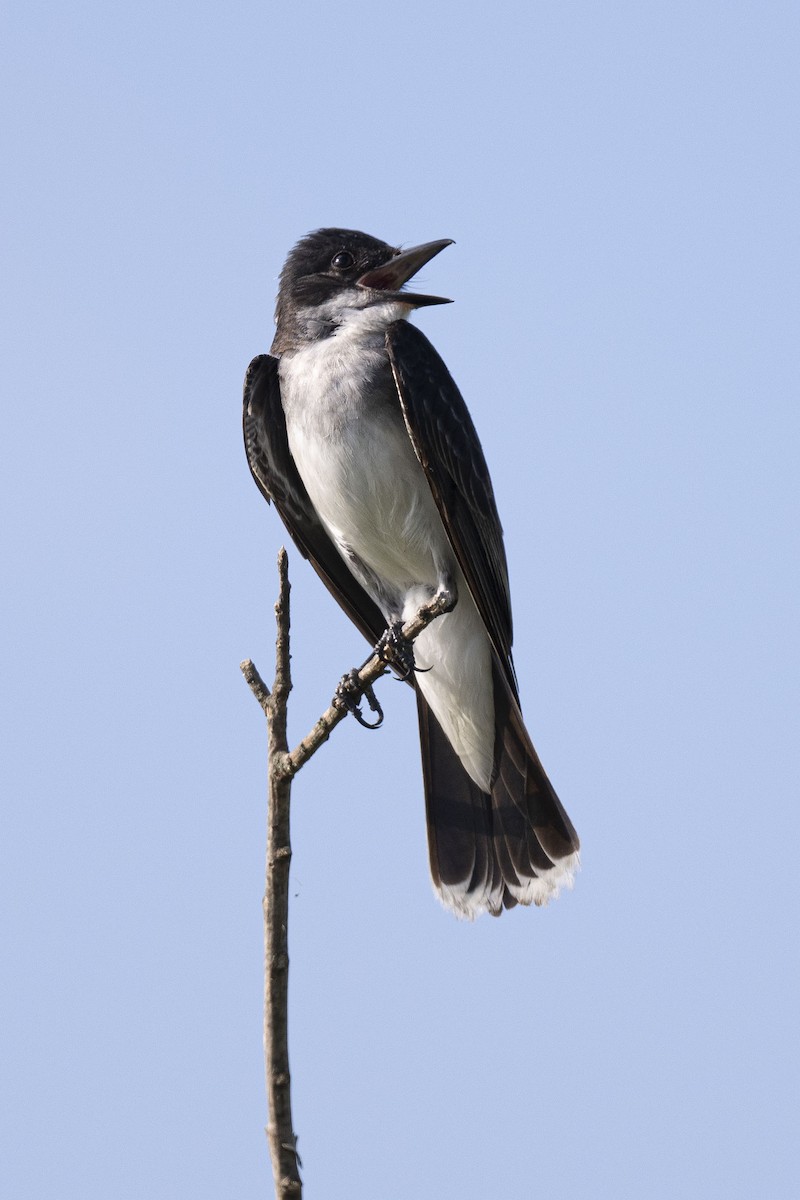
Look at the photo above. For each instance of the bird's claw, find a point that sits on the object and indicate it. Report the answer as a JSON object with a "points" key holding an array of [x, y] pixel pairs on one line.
{"points": [[350, 692], [398, 653]]}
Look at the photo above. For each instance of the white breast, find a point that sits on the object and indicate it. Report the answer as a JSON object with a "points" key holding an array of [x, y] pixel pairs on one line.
{"points": [[351, 447], [353, 452]]}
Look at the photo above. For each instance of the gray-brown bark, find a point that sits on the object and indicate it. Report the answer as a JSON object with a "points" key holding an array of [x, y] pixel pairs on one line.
{"points": [[282, 767]]}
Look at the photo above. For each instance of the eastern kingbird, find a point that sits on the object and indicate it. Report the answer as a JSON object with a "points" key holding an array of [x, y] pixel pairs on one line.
{"points": [[358, 434]]}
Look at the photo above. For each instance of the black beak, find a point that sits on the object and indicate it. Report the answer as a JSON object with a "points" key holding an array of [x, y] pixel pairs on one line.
{"points": [[390, 277]]}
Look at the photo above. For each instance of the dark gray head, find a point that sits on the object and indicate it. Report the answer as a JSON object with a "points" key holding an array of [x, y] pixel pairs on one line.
{"points": [[333, 272]]}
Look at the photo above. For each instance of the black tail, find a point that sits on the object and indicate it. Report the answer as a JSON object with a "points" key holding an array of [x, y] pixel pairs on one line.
{"points": [[491, 851]]}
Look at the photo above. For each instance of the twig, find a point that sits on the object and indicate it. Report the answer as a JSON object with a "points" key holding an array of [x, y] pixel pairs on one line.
{"points": [[371, 671], [282, 767]]}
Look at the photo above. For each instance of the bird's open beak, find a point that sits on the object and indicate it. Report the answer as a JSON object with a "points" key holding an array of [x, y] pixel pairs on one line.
{"points": [[389, 278]]}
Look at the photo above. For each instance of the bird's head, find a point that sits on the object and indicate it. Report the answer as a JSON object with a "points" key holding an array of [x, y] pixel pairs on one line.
{"points": [[332, 274]]}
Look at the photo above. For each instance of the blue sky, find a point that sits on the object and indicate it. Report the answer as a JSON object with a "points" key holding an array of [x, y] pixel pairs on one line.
{"points": [[621, 181]]}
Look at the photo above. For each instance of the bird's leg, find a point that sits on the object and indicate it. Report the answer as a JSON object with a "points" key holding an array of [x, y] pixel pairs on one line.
{"points": [[396, 651], [348, 695]]}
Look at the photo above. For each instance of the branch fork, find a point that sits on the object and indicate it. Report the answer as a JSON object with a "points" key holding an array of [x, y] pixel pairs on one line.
{"points": [[283, 765]]}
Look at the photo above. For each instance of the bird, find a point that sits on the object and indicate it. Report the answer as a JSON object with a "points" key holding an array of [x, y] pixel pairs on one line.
{"points": [[355, 430]]}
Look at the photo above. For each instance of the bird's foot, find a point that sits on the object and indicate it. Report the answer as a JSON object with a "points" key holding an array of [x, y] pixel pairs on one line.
{"points": [[397, 652], [350, 692]]}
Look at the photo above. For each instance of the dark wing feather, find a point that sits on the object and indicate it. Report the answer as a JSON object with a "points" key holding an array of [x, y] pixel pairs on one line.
{"points": [[448, 448], [274, 471]]}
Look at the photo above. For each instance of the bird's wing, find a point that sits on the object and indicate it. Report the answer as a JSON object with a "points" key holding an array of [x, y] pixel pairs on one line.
{"points": [[274, 470], [447, 446]]}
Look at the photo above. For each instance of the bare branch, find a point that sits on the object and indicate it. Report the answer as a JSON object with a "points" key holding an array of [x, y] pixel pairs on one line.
{"points": [[256, 683], [372, 670], [280, 1130], [282, 767]]}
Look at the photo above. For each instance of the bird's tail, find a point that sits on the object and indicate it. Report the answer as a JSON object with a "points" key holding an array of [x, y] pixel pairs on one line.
{"points": [[489, 851]]}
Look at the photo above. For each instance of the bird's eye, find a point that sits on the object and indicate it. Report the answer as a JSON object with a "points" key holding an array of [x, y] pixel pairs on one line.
{"points": [[342, 260]]}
